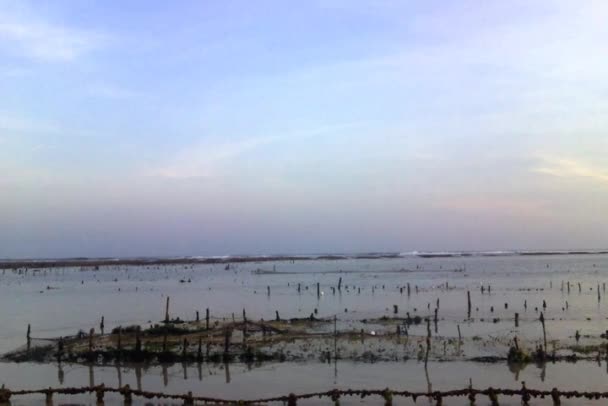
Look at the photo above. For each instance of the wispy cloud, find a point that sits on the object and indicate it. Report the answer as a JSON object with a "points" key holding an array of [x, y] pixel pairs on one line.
{"points": [[110, 91], [15, 124], [34, 38], [18, 125], [568, 168], [209, 156], [205, 158]]}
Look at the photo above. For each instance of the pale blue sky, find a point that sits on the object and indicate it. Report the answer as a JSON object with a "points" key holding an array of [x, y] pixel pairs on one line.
{"points": [[217, 127]]}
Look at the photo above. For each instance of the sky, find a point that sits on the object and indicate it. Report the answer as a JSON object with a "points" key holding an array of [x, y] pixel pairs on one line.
{"points": [[153, 128]]}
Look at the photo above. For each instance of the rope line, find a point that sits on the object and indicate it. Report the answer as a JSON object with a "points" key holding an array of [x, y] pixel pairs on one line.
{"points": [[335, 394]]}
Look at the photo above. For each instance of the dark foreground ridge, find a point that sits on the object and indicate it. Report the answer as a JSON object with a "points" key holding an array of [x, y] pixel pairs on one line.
{"points": [[144, 261], [334, 395]]}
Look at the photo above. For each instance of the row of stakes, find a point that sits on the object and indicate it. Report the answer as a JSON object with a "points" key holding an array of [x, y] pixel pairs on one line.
{"points": [[339, 287]]}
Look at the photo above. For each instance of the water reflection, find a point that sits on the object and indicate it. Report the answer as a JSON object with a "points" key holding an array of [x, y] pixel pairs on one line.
{"points": [[91, 376], [60, 374], [254, 380], [227, 369], [543, 372], [140, 370], [119, 372], [515, 369], [138, 376]]}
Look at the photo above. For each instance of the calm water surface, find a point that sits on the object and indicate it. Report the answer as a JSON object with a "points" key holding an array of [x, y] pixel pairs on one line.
{"points": [[62, 301]]}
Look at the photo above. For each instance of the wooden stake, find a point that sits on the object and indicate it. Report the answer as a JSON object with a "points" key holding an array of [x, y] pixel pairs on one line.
{"points": [[428, 341], [227, 336], [335, 337], [167, 311], [138, 339], [59, 349], [244, 325], [91, 333], [119, 341], [542, 321], [199, 352]]}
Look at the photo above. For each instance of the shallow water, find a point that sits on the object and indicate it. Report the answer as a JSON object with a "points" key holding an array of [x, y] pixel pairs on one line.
{"points": [[237, 381], [62, 301]]}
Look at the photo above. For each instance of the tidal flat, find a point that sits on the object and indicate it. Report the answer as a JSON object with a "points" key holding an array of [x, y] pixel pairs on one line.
{"points": [[250, 328]]}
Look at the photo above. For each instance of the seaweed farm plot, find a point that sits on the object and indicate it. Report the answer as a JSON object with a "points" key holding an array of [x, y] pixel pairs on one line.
{"points": [[387, 338], [452, 323]]}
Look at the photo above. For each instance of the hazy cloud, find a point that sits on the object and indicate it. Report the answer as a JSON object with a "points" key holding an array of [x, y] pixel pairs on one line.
{"points": [[11, 124], [42, 40], [498, 206], [569, 168], [14, 124]]}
